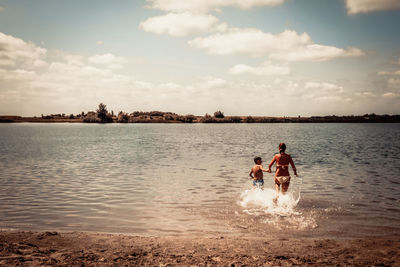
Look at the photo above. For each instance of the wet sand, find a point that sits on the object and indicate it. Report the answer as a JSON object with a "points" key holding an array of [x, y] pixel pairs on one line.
{"points": [[77, 248]]}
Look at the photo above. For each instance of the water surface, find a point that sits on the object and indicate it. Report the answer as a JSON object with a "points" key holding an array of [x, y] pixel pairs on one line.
{"points": [[173, 179]]}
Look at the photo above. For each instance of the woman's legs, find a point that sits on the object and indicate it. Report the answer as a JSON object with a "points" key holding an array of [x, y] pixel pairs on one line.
{"points": [[285, 187], [277, 188]]}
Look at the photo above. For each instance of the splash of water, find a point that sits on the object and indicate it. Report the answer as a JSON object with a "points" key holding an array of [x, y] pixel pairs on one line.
{"points": [[277, 210], [257, 202]]}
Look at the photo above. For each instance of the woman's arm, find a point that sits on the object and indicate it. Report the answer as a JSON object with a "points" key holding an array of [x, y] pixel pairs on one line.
{"points": [[272, 163]]}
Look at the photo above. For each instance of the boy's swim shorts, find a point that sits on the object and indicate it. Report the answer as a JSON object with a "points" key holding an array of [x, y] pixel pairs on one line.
{"points": [[258, 183]]}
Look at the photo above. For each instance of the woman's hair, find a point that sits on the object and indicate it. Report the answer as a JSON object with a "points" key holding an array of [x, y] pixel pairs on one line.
{"points": [[282, 147]]}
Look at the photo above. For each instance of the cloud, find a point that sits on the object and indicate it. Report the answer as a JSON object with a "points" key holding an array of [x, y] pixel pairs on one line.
{"points": [[389, 73], [214, 83], [266, 68], [15, 52], [317, 92], [390, 95], [39, 63], [316, 53], [384, 73], [70, 83], [1, 8], [366, 94], [324, 86], [71, 59], [367, 6], [207, 83], [179, 24], [100, 42], [203, 6], [108, 60], [27, 76], [287, 45], [17, 75]]}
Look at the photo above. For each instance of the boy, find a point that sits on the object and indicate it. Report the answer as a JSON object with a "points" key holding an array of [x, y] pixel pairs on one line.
{"points": [[256, 173]]}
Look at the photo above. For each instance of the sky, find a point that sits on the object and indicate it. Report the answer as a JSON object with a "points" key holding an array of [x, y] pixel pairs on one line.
{"points": [[243, 57]]}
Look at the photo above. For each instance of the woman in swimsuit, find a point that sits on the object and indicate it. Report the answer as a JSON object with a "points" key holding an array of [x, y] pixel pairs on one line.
{"points": [[282, 176]]}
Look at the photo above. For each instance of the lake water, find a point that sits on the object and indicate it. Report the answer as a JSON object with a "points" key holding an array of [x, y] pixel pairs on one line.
{"points": [[178, 179]]}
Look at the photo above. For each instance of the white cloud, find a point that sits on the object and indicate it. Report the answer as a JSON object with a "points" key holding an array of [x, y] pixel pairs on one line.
{"points": [[203, 6], [366, 94], [315, 53], [100, 42], [61, 82], [27, 76], [179, 24], [249, 41], [324, 86], [389, 73], [15, 51], [4, 61], [384, 73], [266, 68], [326, 92], [38, 63], [211, 82], [389, 95], [366, 6], [107, 60], [17, 75], [72, 83], [71, 59], [169, 87], [287, 45]]}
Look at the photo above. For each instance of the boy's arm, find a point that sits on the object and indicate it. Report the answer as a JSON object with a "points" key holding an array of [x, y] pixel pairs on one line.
{"points": [[264, 170], [293, 167], [272, 163], [251, 173]]}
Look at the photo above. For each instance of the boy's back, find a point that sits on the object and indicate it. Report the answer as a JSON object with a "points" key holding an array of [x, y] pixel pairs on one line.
{"points": [[257, 171]]}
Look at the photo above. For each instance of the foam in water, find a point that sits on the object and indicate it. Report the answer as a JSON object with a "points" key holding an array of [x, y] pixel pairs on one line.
{"points": [[277, 210], [267, 201]]}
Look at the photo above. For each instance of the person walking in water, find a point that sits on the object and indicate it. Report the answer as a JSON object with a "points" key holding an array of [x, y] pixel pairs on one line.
{"points": [[256, 173], [282, 175]]}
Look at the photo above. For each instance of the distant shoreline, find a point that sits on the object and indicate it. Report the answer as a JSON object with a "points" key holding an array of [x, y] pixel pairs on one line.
{"points": [[204, 119]]}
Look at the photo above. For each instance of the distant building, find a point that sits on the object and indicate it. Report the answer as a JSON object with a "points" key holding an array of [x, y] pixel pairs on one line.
{"points": [[91, 114]]}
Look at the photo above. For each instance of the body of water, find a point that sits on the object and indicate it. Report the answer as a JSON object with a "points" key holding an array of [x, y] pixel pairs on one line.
{"points": [[174, 179]]}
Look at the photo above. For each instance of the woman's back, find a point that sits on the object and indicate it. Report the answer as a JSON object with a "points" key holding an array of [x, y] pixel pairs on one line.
{"points": [[282, 164]]}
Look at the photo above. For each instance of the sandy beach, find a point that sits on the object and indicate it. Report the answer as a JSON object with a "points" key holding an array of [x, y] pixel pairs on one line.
{"points": [[79, 248]]}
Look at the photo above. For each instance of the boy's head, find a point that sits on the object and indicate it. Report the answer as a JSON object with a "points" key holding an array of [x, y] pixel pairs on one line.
{"points": [[257, 160]]}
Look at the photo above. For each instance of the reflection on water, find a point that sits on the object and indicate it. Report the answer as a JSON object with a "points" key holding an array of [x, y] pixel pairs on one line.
{"points": [[155, 179]]}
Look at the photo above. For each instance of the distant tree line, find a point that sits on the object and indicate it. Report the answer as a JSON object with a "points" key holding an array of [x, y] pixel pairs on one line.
{"points": [[102, 115]]}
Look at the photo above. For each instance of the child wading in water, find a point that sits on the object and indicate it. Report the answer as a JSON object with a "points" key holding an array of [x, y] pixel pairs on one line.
{"points": [[282, 175], [256, 173]]}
